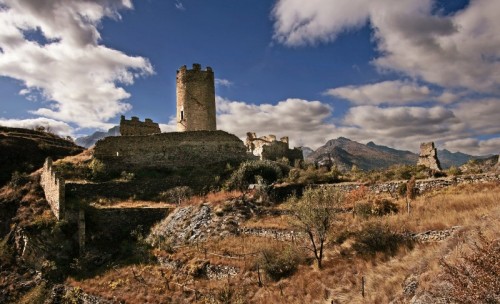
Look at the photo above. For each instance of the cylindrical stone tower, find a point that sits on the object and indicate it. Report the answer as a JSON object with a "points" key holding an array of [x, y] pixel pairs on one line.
{"points": [[195, 99]]}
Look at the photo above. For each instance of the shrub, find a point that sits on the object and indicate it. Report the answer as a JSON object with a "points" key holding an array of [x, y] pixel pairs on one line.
{"points": [[375, 238], [475, 277], [177, 194], [98, 170], [279, 264], [379, 207], [19, 179], [382, 207], [363, 209], [248, 171]]}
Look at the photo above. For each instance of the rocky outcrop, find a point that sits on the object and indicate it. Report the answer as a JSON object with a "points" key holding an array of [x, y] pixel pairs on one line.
{"points": [[428, 156], [196, 223]]}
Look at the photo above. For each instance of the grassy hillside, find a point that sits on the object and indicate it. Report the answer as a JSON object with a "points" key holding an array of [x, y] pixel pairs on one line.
{"points": [[363, 247], [25, 150]]}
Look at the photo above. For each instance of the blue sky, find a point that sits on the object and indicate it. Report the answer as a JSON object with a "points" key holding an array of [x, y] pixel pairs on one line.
{"points": [[396, 72]]}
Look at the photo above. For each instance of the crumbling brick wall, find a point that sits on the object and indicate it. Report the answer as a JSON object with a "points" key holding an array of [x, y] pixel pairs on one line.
{"points": [[170, 150], [428, 156], [54, 187], [136, 127], [267, 147]]}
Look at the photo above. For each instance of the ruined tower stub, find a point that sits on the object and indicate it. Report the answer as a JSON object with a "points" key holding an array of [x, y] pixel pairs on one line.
{"points": [[428, 156], [195, 99]]}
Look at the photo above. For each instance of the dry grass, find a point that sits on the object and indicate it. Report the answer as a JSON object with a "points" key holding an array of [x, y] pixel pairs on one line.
{"points": [[212, 197], [469, 206]]}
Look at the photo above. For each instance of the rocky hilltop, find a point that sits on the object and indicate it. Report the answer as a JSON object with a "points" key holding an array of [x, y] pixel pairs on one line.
{"points": [[25, 150]]}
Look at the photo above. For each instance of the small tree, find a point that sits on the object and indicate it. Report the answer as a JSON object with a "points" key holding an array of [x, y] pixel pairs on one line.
{"points": [[314, 214]]}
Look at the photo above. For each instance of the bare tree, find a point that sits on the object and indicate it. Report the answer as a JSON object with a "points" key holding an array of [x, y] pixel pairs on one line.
{"points": [[314, 213]]}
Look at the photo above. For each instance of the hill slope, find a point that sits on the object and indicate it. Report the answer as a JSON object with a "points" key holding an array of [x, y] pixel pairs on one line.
{"points": [[25, 150]]}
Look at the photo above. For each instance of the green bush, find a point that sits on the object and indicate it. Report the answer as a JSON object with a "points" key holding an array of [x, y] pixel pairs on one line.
{"points": [[279, 264], [363, 209], [19, 179], [249, 171], [379, 207], [98, 170], [177, 194], [375, 238], [384, 206]]}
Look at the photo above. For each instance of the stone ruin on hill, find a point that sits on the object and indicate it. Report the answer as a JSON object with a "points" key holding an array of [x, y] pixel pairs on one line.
{"points": [[136, 127], [267, 147], [428, 156]]}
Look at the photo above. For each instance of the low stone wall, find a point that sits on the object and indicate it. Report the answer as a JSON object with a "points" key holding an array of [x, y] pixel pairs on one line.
{"points": [[422, 185], [54, 188], [170, 150], [281, 192]]}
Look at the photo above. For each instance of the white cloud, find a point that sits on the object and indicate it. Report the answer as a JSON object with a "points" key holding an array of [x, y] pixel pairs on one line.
{"points": [[309, 123], [223, 82], [475, 146], [388, 92], [480, 115], [80, 79], [56, 127], [305, 122], [457, 51], [179, 6]]}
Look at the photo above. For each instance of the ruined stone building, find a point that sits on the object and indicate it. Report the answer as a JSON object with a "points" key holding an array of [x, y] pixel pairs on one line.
{"points": [[195, 99], [267, 147], [428, 156], [171, 150], [136, 127]]}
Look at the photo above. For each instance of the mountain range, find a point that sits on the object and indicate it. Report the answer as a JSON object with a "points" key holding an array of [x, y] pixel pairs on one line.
{"points": [[345, 153]]}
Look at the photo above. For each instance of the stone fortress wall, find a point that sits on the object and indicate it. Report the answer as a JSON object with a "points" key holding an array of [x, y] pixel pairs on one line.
{"points": [[170, 150], [428, 156], [54, 188], [136, 127], [267, 147], [195, 99]]}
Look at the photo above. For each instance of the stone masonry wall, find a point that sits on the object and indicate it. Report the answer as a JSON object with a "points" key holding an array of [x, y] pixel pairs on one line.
{"points": [[428, 156], [137, 127], [267, 147], [424, 185], [170, 150], [54, 187], [282, 192], [195, 99]]}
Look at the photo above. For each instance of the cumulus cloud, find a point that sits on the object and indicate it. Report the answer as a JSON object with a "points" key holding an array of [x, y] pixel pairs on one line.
{"points": [[80, 80], [474, 146], [305, 122], [310, 123], [57, 127], [480, 116], [457, 51], [395, 92]]}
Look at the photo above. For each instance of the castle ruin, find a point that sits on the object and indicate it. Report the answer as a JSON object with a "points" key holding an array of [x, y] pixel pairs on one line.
{"points": [[428, 156], [195, 99], [267, 147], [136, 127]]}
